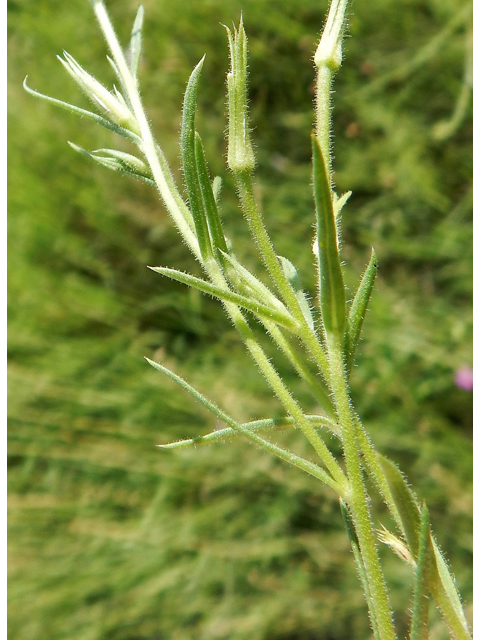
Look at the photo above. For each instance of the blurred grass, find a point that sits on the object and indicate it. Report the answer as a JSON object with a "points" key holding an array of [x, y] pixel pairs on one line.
{"points": [[111, 539]]}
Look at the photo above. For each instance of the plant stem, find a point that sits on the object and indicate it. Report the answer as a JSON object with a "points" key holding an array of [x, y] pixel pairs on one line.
{"points": [[323, 114], [211, 267], [357, 497], [276, 383], [148, 147], [300, 367], [269, 257]]}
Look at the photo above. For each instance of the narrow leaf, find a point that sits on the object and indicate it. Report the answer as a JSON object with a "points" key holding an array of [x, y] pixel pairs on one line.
{"points": [[189, 162], [283, 454], [217, 188], [226, 295], [126, 159], [356, 314], [192, 391], [373, 467], [113, 106], [118, 161], [291, 274], [340, 202], [209, 203], [136, 42], [405, 502], [441, 582], [256, 426], [419, 623], [442, 586], [95, 117], [330, 278], [315, 383]]}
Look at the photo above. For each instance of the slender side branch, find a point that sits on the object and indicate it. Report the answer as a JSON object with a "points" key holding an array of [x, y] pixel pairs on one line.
{"points": [[276, 384], [283, 454], [260, 235]]}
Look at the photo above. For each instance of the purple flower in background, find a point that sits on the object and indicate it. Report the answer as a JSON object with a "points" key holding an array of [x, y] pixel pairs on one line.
{"points": [[464, 378]]}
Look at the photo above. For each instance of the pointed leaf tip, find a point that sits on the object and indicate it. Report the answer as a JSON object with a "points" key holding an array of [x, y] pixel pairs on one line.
{"points": [[358, 309], [330, 277]]}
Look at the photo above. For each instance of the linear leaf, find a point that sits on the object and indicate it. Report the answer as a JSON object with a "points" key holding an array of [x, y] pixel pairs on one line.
{"points": [[226, 295], [189, 162], [256, 426], [283, 454], [244, 280], [315, 383], [330, 278], [442, 586], [356, 314], [117, 161], [95, 117], [340, 202], [419, 623], [405, 502], [291, 274], [441, 582], [217, 188], [373, 467], [209, 202], [136, 42]]}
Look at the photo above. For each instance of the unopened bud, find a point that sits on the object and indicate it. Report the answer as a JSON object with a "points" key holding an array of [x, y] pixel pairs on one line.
{"points": [[329, 50], [240, 151], [113, 106]]}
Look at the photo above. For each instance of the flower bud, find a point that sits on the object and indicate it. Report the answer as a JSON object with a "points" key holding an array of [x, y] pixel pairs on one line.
{"points": [[113, 106], [329, 50], [240, 151]]}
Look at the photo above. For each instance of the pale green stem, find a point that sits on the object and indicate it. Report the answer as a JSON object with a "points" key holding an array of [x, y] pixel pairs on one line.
{"points": [[276, 383], [323, 111], [256, 426], [300, 367], [149, 148], [357, 497], [269, 257]]}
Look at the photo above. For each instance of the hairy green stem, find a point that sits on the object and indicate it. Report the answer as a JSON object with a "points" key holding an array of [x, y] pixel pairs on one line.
{"points": [[256, 426], [148, 146], [276, 383], [357, 497], [314, 382], [260, 235], [323, 114]]}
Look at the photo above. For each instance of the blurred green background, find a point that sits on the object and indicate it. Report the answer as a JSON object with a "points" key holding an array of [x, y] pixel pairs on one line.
{"points": [[111, 539]]}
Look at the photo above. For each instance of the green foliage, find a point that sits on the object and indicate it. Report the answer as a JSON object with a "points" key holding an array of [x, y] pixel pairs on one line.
{"points": [[112, 539]]}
